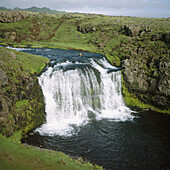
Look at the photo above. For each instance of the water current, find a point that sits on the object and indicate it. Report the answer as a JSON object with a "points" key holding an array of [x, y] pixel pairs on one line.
{"points": [[86, 115]]}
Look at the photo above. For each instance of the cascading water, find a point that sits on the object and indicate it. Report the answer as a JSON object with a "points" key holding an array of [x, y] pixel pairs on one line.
{"points": [[76, 92]]}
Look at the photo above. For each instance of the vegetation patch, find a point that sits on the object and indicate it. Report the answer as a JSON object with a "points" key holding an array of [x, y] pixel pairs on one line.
{"points": [[15, 156]]}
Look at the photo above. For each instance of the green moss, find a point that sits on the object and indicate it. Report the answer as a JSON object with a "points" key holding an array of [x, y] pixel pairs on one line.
{"points": [[27, 111], [21, 103], [10, 118], [32, 63], [24, 114], [8, 88]]}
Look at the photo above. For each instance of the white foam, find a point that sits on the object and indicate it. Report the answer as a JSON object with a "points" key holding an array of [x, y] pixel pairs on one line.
{"points": [[17, 49], [72, 95]]}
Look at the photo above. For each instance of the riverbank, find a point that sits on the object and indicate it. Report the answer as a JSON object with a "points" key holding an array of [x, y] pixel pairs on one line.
{"points": [[17, 156]]}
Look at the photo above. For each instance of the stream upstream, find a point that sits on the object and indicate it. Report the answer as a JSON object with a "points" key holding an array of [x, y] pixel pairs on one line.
{"points": [[86, 115]]}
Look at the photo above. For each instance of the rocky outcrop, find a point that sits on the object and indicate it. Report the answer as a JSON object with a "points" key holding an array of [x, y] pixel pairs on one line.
{"points": [[146, 64], [86, 29], [3, 78], [21, 104], [8, 17], [148, 79], [10, 35], [21, 97], [131, 30]]}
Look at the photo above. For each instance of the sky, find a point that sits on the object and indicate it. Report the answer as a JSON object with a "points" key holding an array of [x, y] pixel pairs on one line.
{"points": [[142, 8]]}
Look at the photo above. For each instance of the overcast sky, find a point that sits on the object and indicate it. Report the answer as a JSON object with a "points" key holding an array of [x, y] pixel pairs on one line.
{"points": [[146, 8]]}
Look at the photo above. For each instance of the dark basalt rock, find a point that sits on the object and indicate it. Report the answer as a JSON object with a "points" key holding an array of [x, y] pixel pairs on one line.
{"points": [[166, 37], [149, 82], [86, 29]]}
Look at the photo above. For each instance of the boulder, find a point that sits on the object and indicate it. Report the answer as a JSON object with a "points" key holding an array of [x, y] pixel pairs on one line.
{"points": [[80, 54], [3, 78], [131, 30], [10, 35], [3, 107]]}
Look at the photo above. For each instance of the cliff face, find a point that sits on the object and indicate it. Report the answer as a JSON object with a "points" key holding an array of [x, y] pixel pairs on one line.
{"points": [[148, 80], [146, 69], [21, 98]]}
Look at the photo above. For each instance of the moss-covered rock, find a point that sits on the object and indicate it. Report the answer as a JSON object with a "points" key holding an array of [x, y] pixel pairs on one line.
{"points": [[21, 98], [146, 75]]}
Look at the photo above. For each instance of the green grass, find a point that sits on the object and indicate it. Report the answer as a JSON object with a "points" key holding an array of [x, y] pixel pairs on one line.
{"points": [[17, 156], [68, 36], [15, 25], [24, 63], [112, 49]]}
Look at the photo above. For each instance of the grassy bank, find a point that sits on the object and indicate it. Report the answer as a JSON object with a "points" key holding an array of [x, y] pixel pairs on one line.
{"points": [[13, 156]]}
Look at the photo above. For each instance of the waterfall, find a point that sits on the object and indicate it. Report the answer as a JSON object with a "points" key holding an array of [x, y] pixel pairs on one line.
{"points": [[76, 93]]}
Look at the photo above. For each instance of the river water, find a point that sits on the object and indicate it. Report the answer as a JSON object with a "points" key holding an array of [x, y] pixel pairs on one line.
{"points": [[87, 117]]}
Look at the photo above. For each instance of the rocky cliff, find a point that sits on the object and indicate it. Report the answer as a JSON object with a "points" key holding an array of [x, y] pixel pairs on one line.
{"points": [[21, 98], [146, 69], [148, 79]]}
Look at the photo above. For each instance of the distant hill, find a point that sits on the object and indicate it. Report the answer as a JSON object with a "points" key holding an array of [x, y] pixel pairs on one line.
{"points": [[42, 10], [4, 9], [36, 9]]}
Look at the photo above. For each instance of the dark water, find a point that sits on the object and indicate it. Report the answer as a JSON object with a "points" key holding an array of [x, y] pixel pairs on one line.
{"points": [[143, 143], [140, 144]]}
